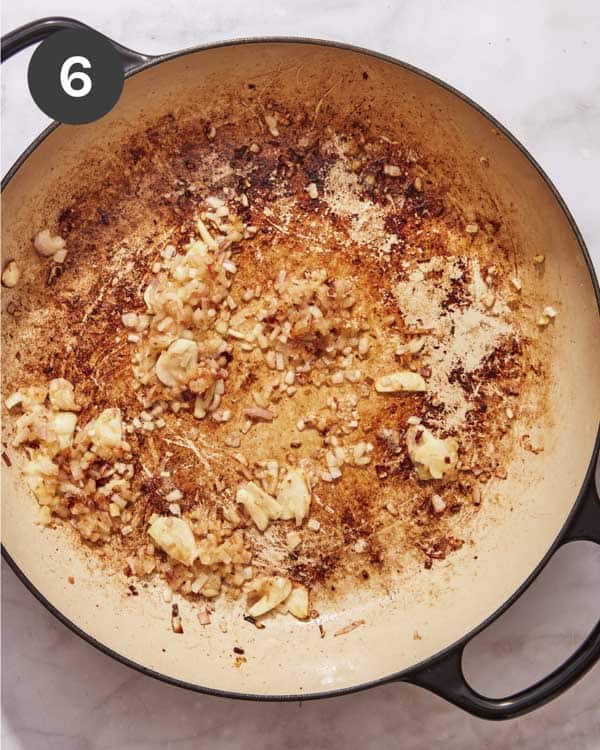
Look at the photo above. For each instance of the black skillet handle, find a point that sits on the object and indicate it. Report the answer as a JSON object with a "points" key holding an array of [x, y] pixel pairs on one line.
{"points": [[445, 676], [37, 31]]}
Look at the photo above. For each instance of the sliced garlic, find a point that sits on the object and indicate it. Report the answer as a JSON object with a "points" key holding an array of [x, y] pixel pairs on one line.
{"points": [[294, 496], [106, 432], [266, 593], [47, 245], [414, 346], [297, 603], [403, 380], [261, 507], [41, 474], [488, 300], [271, 121], [175, 537], [41, 464], [432, 457], [13, 400], [11, 274], [44, 516], [61, 395], [63, 423], [178, 364], [27, 397]]}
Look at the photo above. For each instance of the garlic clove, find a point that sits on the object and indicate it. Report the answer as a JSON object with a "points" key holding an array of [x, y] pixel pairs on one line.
{"points": [[398, 382]]}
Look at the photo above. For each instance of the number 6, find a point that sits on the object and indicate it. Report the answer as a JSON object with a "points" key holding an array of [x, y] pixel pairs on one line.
{"points": [[66, 80]]}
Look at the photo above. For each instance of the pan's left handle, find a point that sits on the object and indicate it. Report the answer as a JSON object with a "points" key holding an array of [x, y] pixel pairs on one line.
{"points": [[37, 31], [444, 675]]}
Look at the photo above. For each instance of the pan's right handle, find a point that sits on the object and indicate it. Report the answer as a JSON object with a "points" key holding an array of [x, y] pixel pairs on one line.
{"points": [[585, 525], [37, 31], [444, 676]]}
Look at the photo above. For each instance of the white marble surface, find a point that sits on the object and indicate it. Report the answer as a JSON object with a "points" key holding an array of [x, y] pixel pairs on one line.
{"points": [[536, 66]]}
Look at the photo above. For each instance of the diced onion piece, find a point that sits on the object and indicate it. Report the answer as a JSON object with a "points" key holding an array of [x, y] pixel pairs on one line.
{"points": [[258, 414], [312, 191], [438, 504], [129, 320], [292, 540]]}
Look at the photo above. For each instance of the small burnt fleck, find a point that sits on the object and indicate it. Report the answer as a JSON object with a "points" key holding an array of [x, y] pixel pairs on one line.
{"points": [[253, 621], [55, 272]]}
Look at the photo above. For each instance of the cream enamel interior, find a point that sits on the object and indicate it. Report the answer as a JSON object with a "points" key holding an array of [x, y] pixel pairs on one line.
{"points": [[510, 538]]}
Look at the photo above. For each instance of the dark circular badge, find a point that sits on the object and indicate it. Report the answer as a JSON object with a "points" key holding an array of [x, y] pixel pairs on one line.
{"points": [[75, 76]]}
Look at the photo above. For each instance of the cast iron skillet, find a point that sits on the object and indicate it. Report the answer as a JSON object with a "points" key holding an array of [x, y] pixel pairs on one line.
{"points": [[442, 673]]}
